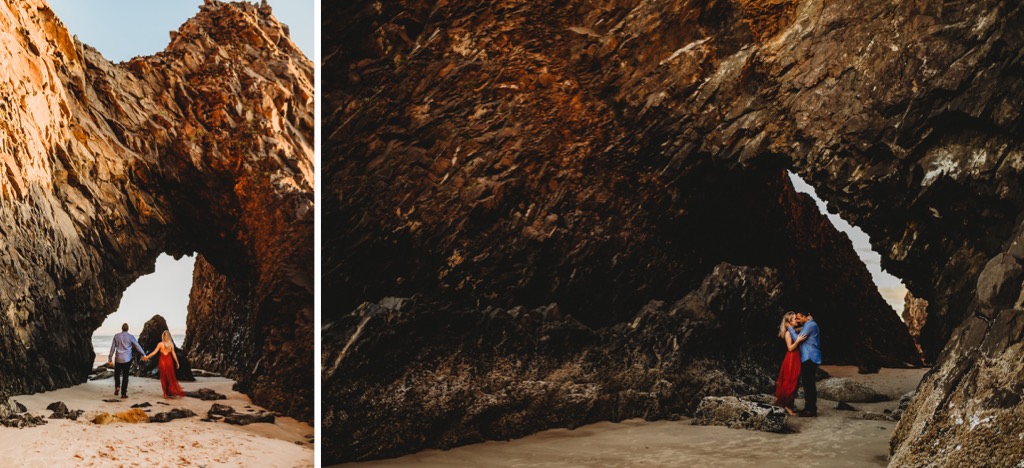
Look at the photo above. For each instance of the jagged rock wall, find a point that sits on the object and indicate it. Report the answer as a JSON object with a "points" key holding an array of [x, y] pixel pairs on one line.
{"points": [[406, 375], [550, 160], [500, 166], [205, 147], [904, 115]]}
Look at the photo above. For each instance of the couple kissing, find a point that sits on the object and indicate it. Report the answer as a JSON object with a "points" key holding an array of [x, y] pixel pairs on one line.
{"points": [[803, 356]]}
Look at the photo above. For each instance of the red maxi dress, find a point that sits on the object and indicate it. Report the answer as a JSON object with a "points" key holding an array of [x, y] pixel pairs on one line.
{"points": [[168, 380], [789, 374]]}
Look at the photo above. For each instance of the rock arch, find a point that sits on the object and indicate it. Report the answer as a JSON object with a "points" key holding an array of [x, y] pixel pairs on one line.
{"points": [[203, 148], [592, 133]]}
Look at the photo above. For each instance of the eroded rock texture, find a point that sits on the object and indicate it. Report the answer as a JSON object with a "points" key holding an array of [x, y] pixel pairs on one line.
{"points": [[405, 375], [567, 156], [205, 147], [601, 154]]}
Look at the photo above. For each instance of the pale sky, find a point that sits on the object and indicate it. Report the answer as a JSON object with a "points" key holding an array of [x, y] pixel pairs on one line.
{"points": [[122, 29], [891, 288], [164, 292]]}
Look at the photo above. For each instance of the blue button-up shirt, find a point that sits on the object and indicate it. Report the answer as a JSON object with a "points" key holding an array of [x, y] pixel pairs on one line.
{"points": [[122, 346], [810, 349]]}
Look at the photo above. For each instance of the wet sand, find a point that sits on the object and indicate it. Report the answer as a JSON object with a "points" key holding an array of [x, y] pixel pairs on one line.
{"points": [[833, 439], [181, 442]]}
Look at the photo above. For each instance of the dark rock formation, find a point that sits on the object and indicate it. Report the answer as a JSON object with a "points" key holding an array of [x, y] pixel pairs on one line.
{"points": [[104, 374], [897, 414], [176, 413], [219, 410], [151, 335], [244, 419], [739, 414], [14, 414], [844, 406], [206, 394], [840, 389], [431, 194], [599, 154], [204, 148], [61, 411], [441, 377], [11, 408]]}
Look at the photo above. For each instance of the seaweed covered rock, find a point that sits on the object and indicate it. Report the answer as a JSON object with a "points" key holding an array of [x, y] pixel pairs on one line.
{"points": [[735, 413]]}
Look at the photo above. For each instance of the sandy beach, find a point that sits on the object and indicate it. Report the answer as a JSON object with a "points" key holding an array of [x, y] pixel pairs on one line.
{"points": [[181, 442], [833, 439]]}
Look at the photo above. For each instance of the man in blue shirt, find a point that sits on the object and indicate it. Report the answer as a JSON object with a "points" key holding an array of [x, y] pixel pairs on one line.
{"points": [[810, 359], [121, 359]]}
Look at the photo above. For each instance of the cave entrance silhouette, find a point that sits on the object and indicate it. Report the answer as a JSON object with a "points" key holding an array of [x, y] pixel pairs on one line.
{"points": [[909, 309], [163, 292]]}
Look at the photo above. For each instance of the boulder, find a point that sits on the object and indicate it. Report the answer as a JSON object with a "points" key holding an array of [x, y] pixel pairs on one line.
{"points": [[219, 410], [842, 389], [205, 394], [104, 374], [243, 419], [61, 411], [11, 408], [176, 413], [739, 414], [19, 421], [763, 398], [844, 406], [150, 336], [902, 406], [1000, 281]]}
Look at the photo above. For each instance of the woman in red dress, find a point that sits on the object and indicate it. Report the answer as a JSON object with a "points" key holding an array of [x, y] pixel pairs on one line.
{"points": [[168, 363], [789, 374]]}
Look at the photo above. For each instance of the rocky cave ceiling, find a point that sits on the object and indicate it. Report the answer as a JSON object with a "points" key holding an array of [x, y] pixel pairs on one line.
{"points": [[488, 159]]}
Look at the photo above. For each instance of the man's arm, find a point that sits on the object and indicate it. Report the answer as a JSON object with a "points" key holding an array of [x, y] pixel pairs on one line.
{"points": [[137, 346], [113, 346], [808, 328]]}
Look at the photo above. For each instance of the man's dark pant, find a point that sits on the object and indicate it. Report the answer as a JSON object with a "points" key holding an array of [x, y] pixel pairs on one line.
{"points": [[121, 376], [808, 372]]}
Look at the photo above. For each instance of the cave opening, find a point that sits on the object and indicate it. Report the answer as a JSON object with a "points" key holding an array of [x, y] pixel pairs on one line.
{"points": [[908, 308], [891, 288], [165, 292]]}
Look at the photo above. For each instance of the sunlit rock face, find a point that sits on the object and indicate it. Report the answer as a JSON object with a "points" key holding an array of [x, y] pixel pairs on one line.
{"points": [[600, 155], [205, 147]]}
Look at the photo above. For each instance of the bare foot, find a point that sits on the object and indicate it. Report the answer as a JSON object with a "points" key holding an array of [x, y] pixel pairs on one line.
{"points": [[791, 412]]}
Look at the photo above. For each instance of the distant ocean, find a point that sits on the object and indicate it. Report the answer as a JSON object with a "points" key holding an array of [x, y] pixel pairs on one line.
{"points": [[101, 344]]}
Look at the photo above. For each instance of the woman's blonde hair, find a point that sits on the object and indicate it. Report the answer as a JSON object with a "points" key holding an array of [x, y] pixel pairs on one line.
{"points": [[166, 337], [785, 321]]}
